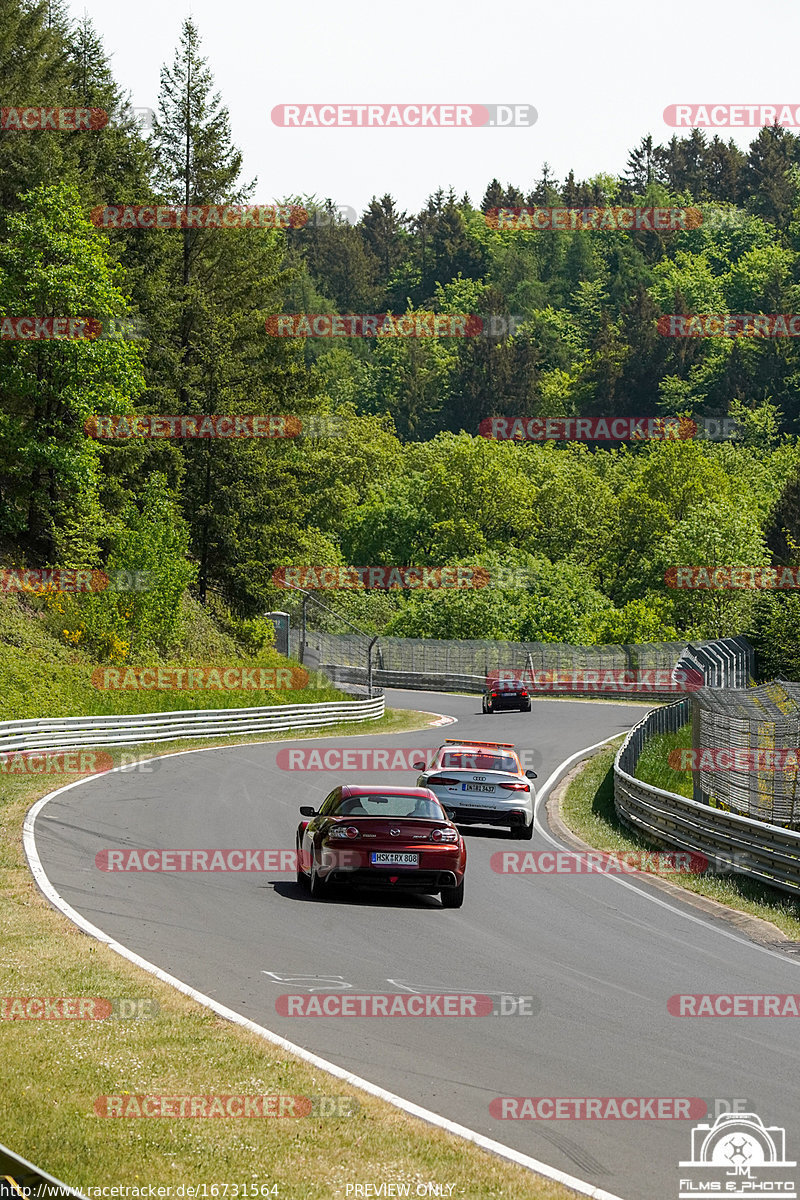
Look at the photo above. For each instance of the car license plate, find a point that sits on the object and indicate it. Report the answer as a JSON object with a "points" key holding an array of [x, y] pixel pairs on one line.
{"points": [[393, 858], [477, 787]]}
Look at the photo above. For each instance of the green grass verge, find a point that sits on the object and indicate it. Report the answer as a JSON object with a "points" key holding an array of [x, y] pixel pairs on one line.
{"points": [[587, 807], [653, 765], [51, 1072], [41, 676], [35, 686]]}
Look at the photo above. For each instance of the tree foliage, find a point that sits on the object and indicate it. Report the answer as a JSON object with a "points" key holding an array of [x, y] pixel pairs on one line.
{"points": [[577, 539]]}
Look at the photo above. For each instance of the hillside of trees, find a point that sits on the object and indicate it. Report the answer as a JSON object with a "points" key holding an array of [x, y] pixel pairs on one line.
{"points": [[576, 538]]}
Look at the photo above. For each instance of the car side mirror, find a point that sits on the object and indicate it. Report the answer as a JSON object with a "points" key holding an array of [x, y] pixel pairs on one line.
{"points": [[418, 766], [306, 810], [530, 774]]}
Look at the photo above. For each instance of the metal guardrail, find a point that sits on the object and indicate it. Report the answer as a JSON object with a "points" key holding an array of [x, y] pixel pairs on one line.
{"points": [[412, 681], [339, 674], [18, 1177], [740, 844], [67, 733]]}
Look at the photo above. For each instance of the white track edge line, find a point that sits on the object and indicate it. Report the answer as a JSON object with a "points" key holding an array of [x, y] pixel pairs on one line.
{"points": [[407, 1106], [676, 906]]}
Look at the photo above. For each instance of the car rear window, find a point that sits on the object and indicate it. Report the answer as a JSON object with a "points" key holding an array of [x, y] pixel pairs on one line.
{"points": [[379, 805], [460, 760]]}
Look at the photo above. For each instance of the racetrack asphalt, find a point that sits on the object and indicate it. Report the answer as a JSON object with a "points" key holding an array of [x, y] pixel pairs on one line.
{"points": [[600, 954]]}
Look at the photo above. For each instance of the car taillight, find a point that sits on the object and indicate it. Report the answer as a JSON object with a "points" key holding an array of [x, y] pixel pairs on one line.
{"points": [[523, 692], [515, 787], [444, 835], [444, 780], [343, 831], [494, 694]]}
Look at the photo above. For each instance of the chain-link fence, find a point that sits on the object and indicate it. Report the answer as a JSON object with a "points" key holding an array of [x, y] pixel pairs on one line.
{"points": [[731, 842], [760, 722], [652, 669]]}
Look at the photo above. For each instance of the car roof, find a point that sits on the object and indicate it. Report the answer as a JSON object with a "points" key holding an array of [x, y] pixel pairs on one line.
{"points": [[477, 748], [375, 789]]}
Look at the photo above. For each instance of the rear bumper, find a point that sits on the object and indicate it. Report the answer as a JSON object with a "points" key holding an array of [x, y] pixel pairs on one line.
{"points": [[508, 701], [405, 879], [511, 809], [489, 816]]}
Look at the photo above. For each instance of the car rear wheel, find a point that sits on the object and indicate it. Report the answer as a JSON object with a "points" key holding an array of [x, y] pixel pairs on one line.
{"points": [[453, 897], [523, 833], [317, 886], [525, 708]]}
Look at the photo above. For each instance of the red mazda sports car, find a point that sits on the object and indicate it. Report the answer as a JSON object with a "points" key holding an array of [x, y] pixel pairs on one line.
{"points": [[389, 837]]}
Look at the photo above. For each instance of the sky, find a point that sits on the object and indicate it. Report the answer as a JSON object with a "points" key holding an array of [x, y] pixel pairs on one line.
{"points": [[599, 75]]}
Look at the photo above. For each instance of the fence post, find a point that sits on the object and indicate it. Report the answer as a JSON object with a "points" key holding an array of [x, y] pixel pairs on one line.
{"points": [[306, 598], [369, 667], [697, 717]]}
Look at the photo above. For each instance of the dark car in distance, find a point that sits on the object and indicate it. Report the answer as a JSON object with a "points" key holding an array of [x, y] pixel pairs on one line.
{"points": [[504, 692], [398, 838]]}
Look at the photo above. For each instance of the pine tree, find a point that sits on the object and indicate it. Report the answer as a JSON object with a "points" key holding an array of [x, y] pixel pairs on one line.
{"points": [[453, 251], [641, 167], [385, 233], [513, 198], [213, 355], [115, 162], [545, 193], [571, 191], [768, 175], [725, 165], [493, 196], [35, 70]]}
